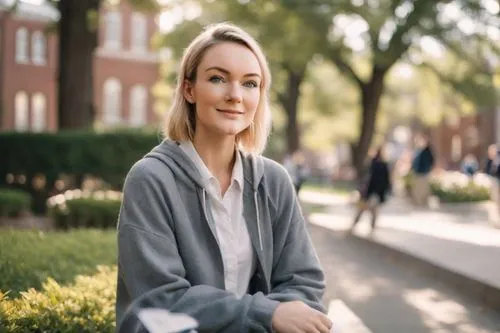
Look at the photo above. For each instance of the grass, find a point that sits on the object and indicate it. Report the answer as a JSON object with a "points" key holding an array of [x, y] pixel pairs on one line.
{"points": [[28, 258]]}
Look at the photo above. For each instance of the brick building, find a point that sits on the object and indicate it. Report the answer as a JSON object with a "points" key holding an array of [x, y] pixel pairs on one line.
{"points": [[125, 67], [458, 136]]}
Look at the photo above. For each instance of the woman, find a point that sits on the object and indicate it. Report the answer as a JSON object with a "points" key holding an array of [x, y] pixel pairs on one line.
{"points": [[207, 226], [376, 188]]}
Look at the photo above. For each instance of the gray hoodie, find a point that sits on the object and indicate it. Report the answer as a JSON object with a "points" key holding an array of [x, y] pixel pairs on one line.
{"points": [[168, 253]]}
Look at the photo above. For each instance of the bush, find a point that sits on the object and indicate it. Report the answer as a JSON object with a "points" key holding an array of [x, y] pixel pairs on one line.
{"points": [[75, 154], [85, 306], [457, 187], [77, 209], [28, 258], [13, 202]]}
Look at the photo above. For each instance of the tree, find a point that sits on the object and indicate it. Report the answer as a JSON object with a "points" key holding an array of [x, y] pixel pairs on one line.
{"points": [[77, 29], [383, 32], [270, 23]]}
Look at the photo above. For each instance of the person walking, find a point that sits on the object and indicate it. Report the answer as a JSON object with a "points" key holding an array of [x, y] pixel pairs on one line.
{"points": [[375, 189], [422, 165]]}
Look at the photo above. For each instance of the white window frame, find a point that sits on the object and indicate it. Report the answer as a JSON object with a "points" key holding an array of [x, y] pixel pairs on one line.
{"points": [[22, 43], [21, 111], [112, 102], [139, 33], [113, 33], [38, 48], [138, 108], [38, 112]]}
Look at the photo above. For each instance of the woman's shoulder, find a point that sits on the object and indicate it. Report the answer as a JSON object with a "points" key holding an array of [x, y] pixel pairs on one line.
{"points": [[149, 169]]}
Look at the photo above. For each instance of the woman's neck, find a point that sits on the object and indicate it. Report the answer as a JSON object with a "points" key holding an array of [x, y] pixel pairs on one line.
{"points": [[218, 155]]}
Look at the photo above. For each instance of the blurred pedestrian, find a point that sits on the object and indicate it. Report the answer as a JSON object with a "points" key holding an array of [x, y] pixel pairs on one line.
{"points": [[297, 169], [493, 170], [375, 189], [469, 165], [422, 165]]}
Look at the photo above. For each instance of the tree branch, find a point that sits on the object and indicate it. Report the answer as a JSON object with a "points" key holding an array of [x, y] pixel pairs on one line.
{"points": [[346, 69]]}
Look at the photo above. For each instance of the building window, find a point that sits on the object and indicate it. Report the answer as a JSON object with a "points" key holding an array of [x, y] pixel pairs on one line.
{"points": [[456, 148], [139, 33], [138, 106], [21, 111], [38, 48], [22, 45], [112, 102], [113, 31], [38, 112]]}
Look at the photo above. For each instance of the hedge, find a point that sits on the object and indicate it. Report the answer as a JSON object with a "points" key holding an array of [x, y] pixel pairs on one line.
{"points": [[88, 305], [77, 209], [13, 202], [107, 156]]}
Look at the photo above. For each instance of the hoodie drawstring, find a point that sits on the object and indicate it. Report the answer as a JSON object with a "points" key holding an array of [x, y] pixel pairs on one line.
{"points": [[258, 218]]}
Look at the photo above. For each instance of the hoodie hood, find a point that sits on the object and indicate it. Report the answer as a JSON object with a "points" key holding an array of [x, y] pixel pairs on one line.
{"points": [[172, 155], [181, 165]]}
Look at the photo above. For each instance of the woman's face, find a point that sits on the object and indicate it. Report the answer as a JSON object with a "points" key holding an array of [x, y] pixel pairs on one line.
{"points": [[226, 91]]}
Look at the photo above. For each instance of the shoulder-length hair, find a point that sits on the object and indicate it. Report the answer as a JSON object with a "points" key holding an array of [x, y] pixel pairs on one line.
{"points": [[180, 123]]}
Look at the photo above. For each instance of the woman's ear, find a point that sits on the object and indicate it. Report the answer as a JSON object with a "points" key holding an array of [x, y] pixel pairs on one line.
{"points": [[188, 91]]}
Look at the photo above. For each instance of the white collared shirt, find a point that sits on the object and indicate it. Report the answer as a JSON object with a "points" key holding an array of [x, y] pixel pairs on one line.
{"points": [[232, 233]]}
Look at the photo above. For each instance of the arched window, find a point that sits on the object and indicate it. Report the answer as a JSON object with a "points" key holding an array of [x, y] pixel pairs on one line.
{"points": [[139, 33], [113, 31], [138, 105], [21, 111], [22, 45], [38, 48], [38, 112], [112, 102]]}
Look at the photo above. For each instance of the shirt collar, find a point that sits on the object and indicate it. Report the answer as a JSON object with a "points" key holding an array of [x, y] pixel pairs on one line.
{"points": [[237, 174]]}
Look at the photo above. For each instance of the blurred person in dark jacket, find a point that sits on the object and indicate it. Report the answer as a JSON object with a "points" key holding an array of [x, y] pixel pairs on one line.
{"points": [[421, 167], [493, 170], [375, 188]]}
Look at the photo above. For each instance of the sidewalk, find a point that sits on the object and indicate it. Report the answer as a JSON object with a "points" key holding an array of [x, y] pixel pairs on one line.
{"points": [[460, 249]]}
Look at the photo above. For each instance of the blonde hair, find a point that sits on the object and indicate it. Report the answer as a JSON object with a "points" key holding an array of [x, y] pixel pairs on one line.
{"points": [[180, 123]]}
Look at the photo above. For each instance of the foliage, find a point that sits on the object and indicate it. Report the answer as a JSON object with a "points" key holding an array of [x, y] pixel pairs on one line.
{"points": [[30, 257], [106, 155], [85, 306], [457, 187], [77, 209], [13, 202]]}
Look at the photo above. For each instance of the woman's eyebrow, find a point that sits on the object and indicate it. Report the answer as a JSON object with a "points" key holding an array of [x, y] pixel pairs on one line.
{"points": [[225, 71]]}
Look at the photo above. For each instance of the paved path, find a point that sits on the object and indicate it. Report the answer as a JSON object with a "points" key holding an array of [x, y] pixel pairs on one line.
{"points": [[390, 297], [457, 242], [388, 294]]}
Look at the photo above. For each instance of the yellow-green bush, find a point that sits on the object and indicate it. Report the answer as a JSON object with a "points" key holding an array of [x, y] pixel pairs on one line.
{"points": [[28, 258], [85, 306], [13, 202]]}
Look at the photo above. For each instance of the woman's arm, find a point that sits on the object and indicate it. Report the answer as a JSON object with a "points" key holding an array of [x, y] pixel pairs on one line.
{"points": [[297, 274]]}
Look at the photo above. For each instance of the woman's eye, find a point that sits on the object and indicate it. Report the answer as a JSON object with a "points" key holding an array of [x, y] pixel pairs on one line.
{"points": [[251, 84], [216, 79]]}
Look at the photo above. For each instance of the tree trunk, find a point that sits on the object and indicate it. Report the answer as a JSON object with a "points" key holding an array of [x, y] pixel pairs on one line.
{"points": [[370, 100], [289, 100], [77, 42]]}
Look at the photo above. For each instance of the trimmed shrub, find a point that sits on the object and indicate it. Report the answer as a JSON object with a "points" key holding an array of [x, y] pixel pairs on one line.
{"points": [[13, 202], [457, 187], [77, 209], [74, 154], [85, 306], [28, 258]]}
